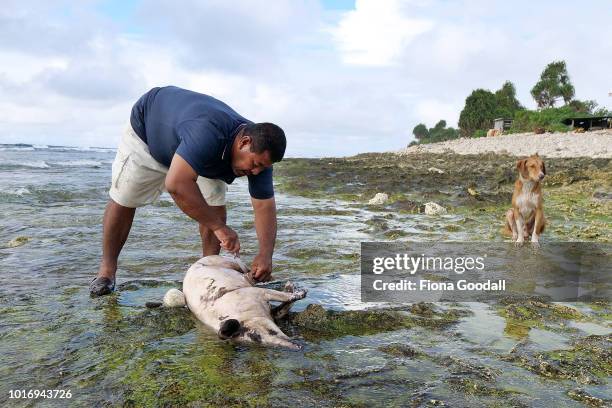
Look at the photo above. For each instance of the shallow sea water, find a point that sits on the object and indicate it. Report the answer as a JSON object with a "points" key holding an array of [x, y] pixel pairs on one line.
{"points": [[113, 351]]}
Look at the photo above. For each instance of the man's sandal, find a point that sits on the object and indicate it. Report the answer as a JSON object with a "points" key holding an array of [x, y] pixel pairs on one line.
{"points": [[101, 286]]}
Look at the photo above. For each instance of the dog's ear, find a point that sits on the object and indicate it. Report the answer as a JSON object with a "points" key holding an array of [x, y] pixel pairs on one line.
{"points": [[521, 165], [229, 328]]}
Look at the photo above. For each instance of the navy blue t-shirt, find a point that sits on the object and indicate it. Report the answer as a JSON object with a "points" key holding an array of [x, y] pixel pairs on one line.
{"points": [[199, 128]]}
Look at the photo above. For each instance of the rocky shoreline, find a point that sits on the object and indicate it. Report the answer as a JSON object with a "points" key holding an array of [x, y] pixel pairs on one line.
{"points": [[595, 144], [476, 187]]}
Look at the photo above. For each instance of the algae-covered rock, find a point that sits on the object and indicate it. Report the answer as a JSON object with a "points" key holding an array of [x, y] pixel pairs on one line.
{"points": [[472, 191], [535, 311], [399, 350], [395, 234], [432, 208], [403, 205], [377, 224], [329, 323], [17, 242], [315, 322], [162, 322], [138, 284], [581, 395], [586, 363], [423, 309], [379, 199], [478, 387]]}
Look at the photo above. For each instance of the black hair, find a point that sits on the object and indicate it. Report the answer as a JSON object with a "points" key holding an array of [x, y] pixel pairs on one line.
{"points": [[267, 137]]}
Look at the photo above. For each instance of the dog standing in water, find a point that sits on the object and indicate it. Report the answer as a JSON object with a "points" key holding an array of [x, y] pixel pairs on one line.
{"points": [[219, 292], [526, 217]]}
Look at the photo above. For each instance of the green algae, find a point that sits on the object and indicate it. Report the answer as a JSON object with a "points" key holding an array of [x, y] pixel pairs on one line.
{"points": [[400, 350], [588, 362], [523, 315], [170, 373], [601, 310], [584, 397], [478, 387], [203, 376], [571, 208], [134, 357], [533, 311], [308, 253], [316, 323], [17, 242]]}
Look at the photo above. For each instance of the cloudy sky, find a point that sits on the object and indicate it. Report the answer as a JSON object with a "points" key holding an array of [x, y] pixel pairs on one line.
{"points": [[340, 76]]}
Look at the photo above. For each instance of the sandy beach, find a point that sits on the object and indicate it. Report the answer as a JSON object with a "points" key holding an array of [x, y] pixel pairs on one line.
{"points": [[595, 144]]}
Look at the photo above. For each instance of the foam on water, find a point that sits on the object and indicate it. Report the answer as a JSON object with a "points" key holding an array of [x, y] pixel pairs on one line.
{"points": [[16, 148], [80, 163], [18, 191], [38, 164]]}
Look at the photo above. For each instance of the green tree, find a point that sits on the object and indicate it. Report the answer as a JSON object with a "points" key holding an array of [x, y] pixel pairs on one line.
{"points": [[440, 125], [438, 133], [479, 111], [554, 83], [507, 104], [420, 131], [588, 106]]}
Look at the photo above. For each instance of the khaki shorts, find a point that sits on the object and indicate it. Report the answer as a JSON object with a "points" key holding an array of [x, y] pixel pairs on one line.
{"points": [[138, 179]]}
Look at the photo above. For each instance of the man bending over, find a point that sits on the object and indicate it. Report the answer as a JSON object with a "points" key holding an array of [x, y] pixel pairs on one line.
{"points": [[191, 144]]}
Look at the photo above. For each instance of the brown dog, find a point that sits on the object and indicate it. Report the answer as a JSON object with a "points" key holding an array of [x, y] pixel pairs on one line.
{"points": [[527, 214]]}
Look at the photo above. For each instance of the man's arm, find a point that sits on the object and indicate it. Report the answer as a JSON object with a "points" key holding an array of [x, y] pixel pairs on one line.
{"points": [[182, 186], [265, 225]]}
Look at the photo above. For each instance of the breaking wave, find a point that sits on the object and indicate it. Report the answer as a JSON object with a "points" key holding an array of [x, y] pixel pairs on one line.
{"points": [[37, 164]]}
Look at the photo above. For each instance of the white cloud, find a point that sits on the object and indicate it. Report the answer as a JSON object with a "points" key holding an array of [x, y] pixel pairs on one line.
{"points": [[338, 83], [243, 36], [377, 32], [431, 111]]}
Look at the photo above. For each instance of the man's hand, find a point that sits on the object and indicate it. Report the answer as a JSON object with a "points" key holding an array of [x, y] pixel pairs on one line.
{"points": [[229, 239], [265, 225], [261, 269]]}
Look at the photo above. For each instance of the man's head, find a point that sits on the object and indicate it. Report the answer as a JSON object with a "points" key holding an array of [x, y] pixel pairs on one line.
{"points": [[256, 147]]}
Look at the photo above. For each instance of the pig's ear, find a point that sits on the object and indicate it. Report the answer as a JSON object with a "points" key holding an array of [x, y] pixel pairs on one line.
{"points": [[229, 328]]}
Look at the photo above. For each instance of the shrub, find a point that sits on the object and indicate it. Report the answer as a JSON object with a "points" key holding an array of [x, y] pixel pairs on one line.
{"points": [[478, 113], [549, 119], [482, 106], [438, 133]]}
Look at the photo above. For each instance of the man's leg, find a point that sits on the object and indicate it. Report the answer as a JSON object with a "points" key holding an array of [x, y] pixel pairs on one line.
{"points": [[210, 243], [137, 179], [115, 230]]}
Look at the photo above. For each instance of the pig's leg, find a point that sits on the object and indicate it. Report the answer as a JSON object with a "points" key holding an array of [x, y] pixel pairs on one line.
{"points": [[280, 311], [278, 296], [286, 299]]}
